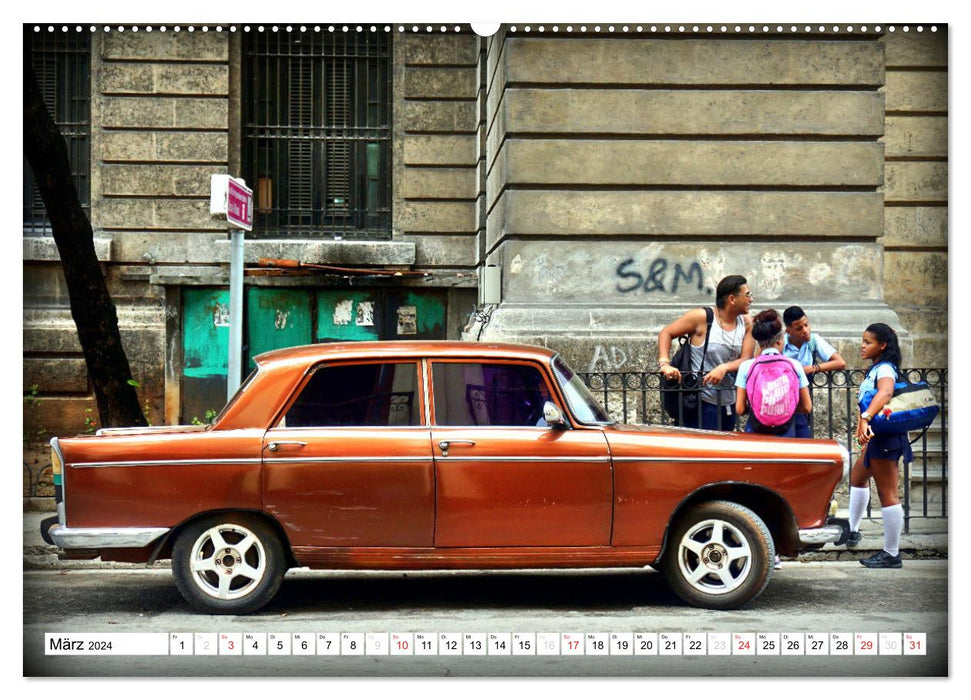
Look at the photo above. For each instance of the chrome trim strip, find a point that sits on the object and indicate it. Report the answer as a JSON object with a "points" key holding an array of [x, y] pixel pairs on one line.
{"points": [[727, 460], [101, 432], [104, 537], [325, 428], [426, 380], [821, 535], [164, 463], [328, 460], [602, 460]]}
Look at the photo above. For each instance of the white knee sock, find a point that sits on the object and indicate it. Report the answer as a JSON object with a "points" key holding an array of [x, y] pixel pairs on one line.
{"points": [[893, 524], [859, 499]]}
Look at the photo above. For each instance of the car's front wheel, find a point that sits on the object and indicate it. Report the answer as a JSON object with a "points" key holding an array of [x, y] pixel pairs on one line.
{"points": [[228, 564], [719, 555]]}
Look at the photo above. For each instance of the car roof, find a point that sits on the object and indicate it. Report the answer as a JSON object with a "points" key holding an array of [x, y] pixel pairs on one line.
{"points": [[400, 348], [281, 370]]}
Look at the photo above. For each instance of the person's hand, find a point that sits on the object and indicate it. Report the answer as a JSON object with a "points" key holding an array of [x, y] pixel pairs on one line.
{"points": [[864, 433], [671, 373], [716, 375]]}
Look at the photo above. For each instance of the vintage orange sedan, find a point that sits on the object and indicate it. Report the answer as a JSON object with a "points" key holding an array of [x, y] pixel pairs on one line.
{"points": [[437, 455]]}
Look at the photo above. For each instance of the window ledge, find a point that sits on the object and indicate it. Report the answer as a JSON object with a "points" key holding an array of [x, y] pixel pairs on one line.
{"points": [[43, 249], [326, 252]]}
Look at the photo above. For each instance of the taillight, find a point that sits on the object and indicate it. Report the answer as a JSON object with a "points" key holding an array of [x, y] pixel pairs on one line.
{"points": [[57, 470]]}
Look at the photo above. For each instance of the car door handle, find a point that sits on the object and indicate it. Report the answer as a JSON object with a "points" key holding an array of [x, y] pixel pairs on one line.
{"points": [[445, 444], [274, 446]]}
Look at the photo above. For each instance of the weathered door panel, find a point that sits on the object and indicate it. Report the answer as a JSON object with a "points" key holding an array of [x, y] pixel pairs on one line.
{"points": [[160, 480], [205, 351], [351, 487], [277, 318], [414, 315], [347, 315], [522, 487]]}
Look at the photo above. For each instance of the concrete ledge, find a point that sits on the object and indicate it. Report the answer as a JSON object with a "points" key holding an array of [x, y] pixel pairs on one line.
{"points": [[43, 249], [326, 252]]}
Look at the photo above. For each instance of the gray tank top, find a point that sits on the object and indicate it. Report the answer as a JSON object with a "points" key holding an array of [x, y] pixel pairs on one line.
{"points": [[723, 346]]}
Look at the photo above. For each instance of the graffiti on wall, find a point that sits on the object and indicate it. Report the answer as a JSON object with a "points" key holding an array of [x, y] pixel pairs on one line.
{"points": [[607, 358], [660, 277]]}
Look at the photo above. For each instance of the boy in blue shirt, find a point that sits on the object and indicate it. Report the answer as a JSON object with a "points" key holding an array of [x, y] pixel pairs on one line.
{"points": [[811, 351]]}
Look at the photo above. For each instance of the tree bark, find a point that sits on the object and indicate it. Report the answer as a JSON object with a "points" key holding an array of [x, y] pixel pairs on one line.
{"points": [[91, 306]]}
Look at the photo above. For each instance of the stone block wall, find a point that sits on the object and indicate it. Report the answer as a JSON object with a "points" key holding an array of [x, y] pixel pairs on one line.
{"points": [[159, 129], [164, 117], [613, 179], [434, 185], [627, 174], [916, 188]]}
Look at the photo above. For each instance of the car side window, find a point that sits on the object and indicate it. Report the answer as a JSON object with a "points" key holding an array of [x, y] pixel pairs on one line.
{"points": [[473, 393], [371, 394]]}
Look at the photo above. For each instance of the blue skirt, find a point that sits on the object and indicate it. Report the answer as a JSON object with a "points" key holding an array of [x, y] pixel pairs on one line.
{"points": [[890, 447]]}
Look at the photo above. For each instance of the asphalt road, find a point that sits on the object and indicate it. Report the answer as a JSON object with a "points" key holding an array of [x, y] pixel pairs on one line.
{"points": [[826, 597]]}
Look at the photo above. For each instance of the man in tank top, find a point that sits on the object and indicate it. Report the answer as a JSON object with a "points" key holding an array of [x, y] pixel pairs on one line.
{"points": [[729, 345]]}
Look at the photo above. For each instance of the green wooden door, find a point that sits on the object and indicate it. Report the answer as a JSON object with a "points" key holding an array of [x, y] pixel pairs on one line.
{"points": [[205, 351], [347, 315], [277, 317]]}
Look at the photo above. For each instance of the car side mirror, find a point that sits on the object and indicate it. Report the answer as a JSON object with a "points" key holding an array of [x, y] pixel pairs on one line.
{"points": [[554, 416]]}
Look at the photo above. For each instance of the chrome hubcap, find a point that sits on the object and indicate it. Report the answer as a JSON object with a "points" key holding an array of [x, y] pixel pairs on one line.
{"points": [[227, 561], [714, 557]]}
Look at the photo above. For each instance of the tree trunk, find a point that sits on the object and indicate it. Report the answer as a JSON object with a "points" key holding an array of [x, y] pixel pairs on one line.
{"points": [[91, 306]]}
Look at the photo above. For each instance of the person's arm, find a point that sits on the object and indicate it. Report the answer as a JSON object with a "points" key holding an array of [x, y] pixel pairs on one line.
{"points": [[835, 362], [832, 362], [741, 401], [805, 401], [884, 393], [687, 324], [718, 373]]}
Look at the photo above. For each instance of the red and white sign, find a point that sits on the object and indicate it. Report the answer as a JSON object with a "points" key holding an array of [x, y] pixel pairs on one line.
{"points": [[232, 199]]}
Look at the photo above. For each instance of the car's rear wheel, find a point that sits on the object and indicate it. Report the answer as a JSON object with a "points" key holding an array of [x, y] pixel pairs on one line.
{"points": [[719, 555], [228, 564]]}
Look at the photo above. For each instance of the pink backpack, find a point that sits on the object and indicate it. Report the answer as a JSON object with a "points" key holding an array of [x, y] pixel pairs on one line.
{"points": [[773, 391]]}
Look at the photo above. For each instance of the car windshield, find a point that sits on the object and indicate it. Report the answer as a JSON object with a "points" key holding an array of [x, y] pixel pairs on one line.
{"points": [[584, 406]]}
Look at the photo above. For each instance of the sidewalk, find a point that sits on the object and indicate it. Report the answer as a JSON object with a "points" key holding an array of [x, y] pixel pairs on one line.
{"points": [[927, 540]]}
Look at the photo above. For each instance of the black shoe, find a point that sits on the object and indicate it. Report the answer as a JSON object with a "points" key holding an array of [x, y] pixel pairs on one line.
{"points": [[882, 560], [853, 539]]}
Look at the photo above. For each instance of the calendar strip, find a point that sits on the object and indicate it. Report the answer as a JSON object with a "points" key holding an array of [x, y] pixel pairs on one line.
{"points": [[572, 643]]}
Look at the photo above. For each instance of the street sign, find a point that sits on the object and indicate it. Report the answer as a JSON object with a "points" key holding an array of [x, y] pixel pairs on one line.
{"points": [[230, 198]]}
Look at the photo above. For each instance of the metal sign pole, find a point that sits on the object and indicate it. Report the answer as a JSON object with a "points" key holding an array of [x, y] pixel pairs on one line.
{"points": [[234, 374], [232, 200]]}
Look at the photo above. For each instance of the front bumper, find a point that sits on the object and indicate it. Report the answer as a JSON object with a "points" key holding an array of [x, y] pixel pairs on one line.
{"points": [[835, 530], [101, 537]]}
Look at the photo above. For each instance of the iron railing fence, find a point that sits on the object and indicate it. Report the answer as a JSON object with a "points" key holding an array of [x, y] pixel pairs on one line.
{"points": [[635, 397]]}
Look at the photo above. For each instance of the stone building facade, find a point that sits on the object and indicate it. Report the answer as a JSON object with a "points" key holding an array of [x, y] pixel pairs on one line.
{"points": [[609, 178]]}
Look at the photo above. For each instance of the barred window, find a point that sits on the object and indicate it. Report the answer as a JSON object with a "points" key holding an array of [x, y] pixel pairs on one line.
{"points": [[317, 133], [62, 64]]}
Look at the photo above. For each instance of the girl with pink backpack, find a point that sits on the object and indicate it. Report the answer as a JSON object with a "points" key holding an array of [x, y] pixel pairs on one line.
{"points": [[771, 387]]}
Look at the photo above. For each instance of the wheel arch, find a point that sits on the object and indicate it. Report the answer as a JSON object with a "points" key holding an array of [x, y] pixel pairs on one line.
{"points": [[771, 507], [163, 549]]}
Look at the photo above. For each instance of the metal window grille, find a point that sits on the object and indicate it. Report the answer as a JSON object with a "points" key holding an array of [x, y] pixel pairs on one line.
{"points": [[317, 133], [62, 64]]}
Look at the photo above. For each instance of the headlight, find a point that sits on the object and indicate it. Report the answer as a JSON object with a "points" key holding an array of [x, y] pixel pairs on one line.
{"points": [[845, 454], [57, 463]]}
